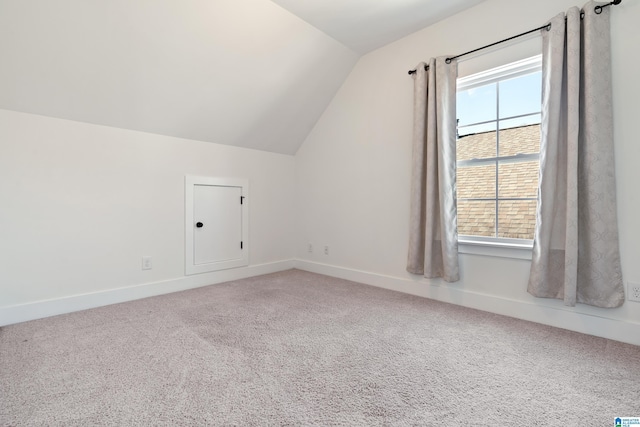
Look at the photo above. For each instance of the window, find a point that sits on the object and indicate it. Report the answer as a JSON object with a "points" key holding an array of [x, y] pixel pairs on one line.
{"points": [[498, 151]]}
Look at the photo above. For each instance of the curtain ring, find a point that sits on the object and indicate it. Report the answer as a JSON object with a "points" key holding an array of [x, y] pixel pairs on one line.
{"points": [[448, 60], [549, 26], [598, 10]]}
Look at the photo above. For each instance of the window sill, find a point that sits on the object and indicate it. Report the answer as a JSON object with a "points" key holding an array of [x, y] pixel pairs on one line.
{"points": [[496, 249]]}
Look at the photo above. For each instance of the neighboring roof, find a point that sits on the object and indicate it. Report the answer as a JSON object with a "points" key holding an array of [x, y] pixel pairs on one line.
{"points": [[516, 219]]}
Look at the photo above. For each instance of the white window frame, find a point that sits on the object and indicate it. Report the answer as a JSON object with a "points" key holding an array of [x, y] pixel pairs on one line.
{"points": [[498, 246]]}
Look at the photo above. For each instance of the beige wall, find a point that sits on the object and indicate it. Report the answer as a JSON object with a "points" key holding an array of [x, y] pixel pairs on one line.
{"points": [[81, 204], [352, 173]]}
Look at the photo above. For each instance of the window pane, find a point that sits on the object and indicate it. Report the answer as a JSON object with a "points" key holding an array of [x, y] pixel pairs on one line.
{"points": [[521, 95], [477, 218], [477, 105], [476, 182], [520, 140], [498, 147], [477, 146], [518, 179], [517, 219]]}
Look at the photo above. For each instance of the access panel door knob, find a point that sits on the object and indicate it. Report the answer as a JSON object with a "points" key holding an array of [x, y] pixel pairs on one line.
{"points": [[199, 224]]}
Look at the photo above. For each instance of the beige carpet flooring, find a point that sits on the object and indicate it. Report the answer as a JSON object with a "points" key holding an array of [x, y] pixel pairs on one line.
{"points": [[296, 348]]}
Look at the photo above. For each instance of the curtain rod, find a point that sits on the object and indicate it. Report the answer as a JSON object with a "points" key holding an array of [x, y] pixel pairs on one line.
{"points": [[598, 11]]}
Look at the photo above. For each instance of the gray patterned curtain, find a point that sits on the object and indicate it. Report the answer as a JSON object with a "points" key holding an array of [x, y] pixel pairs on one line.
{"points": [[576, 254], [433, 238]]}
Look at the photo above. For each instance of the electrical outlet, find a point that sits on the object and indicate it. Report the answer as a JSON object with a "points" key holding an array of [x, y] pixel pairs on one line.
{"points": [[326, 250], [310, 248], [146, 263], [633, 289]]}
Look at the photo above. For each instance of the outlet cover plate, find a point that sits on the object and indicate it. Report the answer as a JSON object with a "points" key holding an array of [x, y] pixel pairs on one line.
{"points": [[633, 291]]}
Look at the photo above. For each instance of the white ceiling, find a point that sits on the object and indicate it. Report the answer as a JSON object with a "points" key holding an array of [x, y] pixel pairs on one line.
{"points": [[247, 73], [365, 25]]}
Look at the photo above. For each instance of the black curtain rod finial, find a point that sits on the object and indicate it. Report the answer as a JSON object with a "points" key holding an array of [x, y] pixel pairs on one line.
{"points": [[426, 67], [598, 8]]}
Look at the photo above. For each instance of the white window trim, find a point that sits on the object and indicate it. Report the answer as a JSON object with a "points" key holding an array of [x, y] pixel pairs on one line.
{"points": [[512, 70], [496, 246]]}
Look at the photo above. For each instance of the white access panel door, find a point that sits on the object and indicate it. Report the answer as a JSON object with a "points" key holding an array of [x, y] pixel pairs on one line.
{"points": [[217, 212], [216, 224]]}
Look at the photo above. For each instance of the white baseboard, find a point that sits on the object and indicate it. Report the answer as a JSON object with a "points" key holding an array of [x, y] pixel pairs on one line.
{"points": [[566, 318], [560, 317], [40, 309]]}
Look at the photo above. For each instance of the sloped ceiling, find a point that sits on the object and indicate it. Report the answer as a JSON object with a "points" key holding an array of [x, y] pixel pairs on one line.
{"points": [[246, 73], [365, 25]]}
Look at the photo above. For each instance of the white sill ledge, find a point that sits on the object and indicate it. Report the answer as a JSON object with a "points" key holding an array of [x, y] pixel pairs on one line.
{"points": [[496, 249]]}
